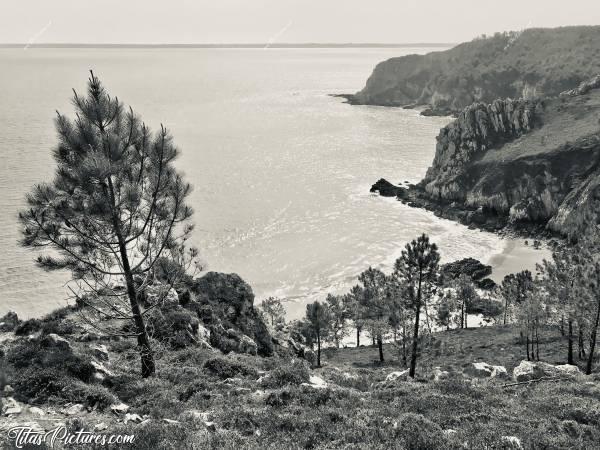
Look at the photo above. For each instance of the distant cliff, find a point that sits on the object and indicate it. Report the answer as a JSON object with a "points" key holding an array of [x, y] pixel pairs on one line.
{"points": [[528, 163], [529, 64]]}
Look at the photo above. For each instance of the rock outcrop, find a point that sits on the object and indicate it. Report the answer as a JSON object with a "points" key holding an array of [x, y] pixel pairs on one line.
{"points": [[530, 165], [225, 304]]}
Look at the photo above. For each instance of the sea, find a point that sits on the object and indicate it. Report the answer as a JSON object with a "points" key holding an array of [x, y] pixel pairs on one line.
{"points": [[281, 169]]}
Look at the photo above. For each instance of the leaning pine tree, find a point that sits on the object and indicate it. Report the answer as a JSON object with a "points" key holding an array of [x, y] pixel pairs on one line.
{"points": [[113, 213]]}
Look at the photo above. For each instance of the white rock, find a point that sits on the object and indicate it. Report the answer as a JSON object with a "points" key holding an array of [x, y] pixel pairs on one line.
{"points": [[479, 370], [449, 432], [439, 374], [513, 441], [99, 367], [316, 382], [136, 418], [11, 407], [529, 370], [161, 293], [171, 421], [203, 333], [100, 426], [101, 352], [8, 389], [393, 376], [73, 410], [500, 372], [210, 426], [37, 411], [120, 408], [198, 415]]}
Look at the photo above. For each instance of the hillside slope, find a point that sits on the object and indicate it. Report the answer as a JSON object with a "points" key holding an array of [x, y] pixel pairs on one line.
{"points": [[526, 162], [535, 62]]}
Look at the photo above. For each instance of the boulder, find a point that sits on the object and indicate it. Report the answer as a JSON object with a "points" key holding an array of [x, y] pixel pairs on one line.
{"points": [[316, 382], [119, 408], [513, 442], [485, 370], [135, 418], [99, 368], [479, 370], [73, 410], [161, 293], [439, 374], [100, 426], [11, 407], [226, 300], [530, 370], [395, 376], [36, 411], [53, 340]]}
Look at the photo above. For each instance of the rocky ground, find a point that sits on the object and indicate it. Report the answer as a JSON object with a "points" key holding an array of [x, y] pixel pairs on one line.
{"points": [[473, 389]]}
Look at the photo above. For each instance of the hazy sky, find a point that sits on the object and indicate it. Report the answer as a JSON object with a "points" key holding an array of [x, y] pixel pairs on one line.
{"points": [[258, 21]]}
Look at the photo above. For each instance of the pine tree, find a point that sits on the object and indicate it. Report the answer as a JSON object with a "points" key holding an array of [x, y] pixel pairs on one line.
{"points": [[318, 320], [376, 304], [418, 266], [115, 207], [274, 311], [338, 316]]}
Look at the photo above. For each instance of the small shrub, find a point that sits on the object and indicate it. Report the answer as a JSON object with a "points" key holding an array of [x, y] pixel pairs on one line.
{"points": [[28, 327], [226, 368], [419, 433], [294, 373]]}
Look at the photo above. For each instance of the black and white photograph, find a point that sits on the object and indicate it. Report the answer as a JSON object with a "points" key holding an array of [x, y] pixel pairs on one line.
{"points": [[299, 224]]}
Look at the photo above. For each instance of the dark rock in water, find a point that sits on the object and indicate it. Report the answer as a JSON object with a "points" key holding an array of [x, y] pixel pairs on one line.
{"points": [[227, 300], [386, 189], [467, 266]]}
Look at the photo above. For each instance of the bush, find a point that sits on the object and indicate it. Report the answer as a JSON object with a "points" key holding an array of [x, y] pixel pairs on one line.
{"points": [[226, 368], [419, 433], [28, 327], [30, 354], [175, 327], [295, 373]]}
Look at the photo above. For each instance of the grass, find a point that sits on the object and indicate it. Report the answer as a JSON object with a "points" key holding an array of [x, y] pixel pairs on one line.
{"points": [[355, 410]]}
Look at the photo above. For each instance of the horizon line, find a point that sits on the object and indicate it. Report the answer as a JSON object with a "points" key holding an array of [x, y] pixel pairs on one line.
{"points": [[226, 45]]}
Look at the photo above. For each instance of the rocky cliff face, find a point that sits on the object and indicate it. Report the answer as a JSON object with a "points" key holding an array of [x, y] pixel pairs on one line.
{"points": [[528, 64], [520, 162], [478, 128]]}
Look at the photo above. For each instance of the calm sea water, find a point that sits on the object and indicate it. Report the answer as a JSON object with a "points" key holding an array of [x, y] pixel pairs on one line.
{"points": [[281, 169]]}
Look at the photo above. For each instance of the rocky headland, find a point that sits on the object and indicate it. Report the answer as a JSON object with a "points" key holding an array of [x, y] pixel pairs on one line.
{"points": [[528, 165], [525, 64]]}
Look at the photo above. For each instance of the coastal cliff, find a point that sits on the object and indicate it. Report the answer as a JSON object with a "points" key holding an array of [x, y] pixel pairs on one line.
{"points": [[529, 164], [528, 64]]}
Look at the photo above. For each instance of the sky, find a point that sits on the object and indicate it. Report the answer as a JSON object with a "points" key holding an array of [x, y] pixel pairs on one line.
{"points": [[280, 21]]}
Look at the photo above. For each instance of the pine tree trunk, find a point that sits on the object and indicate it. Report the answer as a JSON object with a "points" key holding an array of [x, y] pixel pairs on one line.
{"points": [[527, 345], [404, 345], [570, 349], [505, 309], [590, 361], [146, 354], [357, 337], [462, 314], [318, 349], [380, 345], [415, 344], [537, 341], [581, 343]]}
